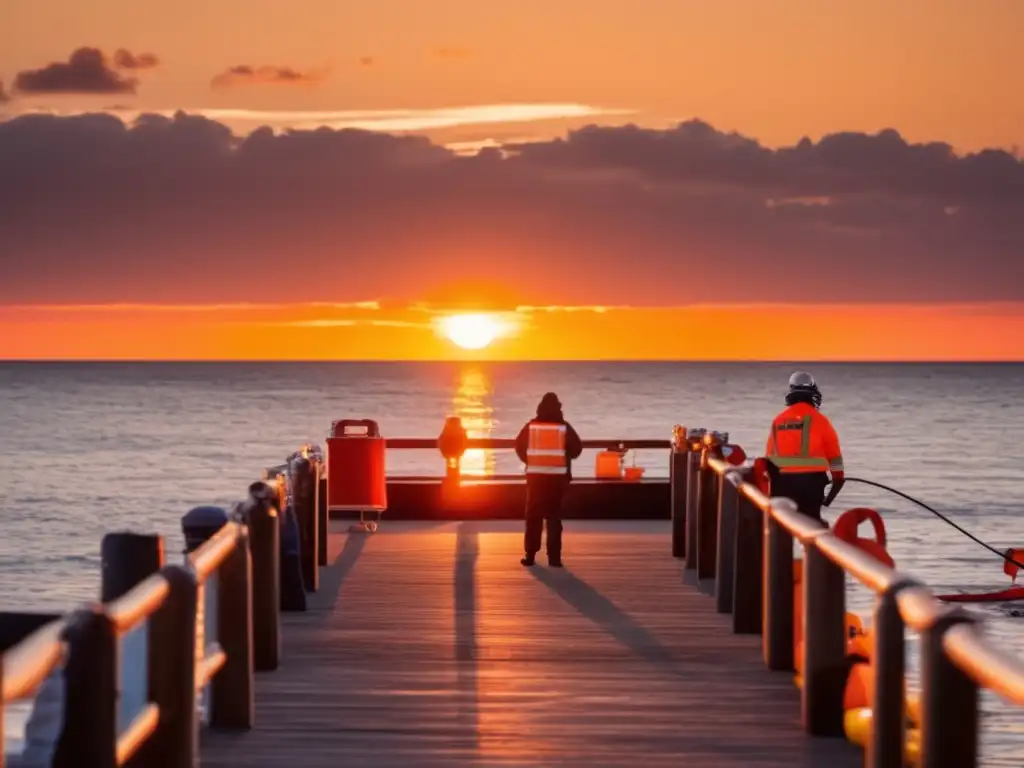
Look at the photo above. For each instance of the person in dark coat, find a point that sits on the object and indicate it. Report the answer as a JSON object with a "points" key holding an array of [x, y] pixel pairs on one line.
{"points": [[547, 445]]}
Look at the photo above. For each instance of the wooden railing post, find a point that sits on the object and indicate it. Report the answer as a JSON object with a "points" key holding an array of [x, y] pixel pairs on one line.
{"points": [[777, 595], [824, 651], [888, 666], [261, 515], [304, 490], [725, 560], [949, 702], [126, 560], [748, 570], [233, 687], [172, 673], [323, 519], [692, 504], [707, 522], [679, 477], [89, 736]]}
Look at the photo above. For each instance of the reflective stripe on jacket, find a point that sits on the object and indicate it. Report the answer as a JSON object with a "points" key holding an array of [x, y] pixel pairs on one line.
{"points": [[802, 439], [545, 452]]}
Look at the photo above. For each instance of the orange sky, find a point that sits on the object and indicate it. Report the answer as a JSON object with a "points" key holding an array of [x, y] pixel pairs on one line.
{"points": [[131, 272], [783, 69], [315, 332]]}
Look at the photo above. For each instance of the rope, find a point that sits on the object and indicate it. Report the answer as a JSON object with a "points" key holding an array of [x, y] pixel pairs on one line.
{"points": [[939, 515]]}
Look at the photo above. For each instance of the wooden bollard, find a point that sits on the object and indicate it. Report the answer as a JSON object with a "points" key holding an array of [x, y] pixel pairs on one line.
{"points": [[172, 674], [748, 569], [260, 513], [707, 521], [233, 688], [89, 735], [725, 559], [321, 513], [678, 487], [777, 595], [303, 476], [825, 665], [127, 559]]}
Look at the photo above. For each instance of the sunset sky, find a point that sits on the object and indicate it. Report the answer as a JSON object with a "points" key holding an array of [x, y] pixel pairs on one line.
{"points": [[652, 179]]}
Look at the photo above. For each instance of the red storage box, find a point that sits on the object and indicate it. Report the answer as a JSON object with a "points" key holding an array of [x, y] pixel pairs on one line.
{"points": [[356, 479]]}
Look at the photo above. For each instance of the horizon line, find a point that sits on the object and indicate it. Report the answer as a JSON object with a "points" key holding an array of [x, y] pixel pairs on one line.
{"points": [[483, 361]]}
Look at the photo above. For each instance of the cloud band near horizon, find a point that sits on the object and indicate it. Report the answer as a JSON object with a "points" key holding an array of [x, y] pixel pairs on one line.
{"points": [[181, 210]]}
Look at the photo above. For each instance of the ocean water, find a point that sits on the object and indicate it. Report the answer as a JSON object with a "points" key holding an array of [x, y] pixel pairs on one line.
{"points": [[88, 448]]}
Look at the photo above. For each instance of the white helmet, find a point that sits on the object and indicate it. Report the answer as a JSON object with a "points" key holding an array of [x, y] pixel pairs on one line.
{"points": [[803, 387]]}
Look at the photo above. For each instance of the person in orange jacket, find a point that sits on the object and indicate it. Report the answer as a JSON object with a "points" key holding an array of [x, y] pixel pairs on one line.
{"points": [[547, 446], [803, 449]]}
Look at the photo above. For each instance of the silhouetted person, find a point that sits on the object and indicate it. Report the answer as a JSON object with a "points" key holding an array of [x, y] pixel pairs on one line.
{"points": [[546, 445]]}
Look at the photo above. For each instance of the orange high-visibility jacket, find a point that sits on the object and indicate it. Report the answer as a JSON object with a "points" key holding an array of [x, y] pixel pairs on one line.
{"points": [[802, 439], [545, 452]]}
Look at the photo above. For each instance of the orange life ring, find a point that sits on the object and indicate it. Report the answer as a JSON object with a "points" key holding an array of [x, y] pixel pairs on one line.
{"points": [[845, 528]]}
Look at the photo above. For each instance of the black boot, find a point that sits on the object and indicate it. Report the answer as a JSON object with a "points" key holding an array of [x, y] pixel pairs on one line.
{"points": [[555, 561], [528, 560]]}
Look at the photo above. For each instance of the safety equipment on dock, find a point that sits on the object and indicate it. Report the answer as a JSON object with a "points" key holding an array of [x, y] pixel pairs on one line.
{"points": [[610, 463], [803, 388], [356, 480], [734, 454], [545, 453]]}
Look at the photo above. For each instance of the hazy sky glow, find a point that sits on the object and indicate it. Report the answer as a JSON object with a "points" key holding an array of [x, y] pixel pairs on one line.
{"points": [[179, 161]]}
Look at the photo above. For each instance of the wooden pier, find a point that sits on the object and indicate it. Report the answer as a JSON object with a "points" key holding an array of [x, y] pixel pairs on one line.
{"points": [[668, 639], [430, 645]]}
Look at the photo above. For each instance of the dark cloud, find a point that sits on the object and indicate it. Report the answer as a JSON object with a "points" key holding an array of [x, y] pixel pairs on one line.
{"points": [[86, 71], [125, 59], [244, 74], [181, 209]]}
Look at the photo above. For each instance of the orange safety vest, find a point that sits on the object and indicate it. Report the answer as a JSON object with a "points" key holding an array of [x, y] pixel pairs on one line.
{"points": [[802, 439], [545, 454]]}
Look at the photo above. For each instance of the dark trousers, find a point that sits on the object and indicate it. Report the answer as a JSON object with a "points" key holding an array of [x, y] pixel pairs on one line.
{"points": [[806, 489], [544, 496]]}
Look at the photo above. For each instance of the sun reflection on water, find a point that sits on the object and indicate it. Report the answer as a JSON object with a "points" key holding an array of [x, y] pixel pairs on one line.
{"points": [[472, 403]]}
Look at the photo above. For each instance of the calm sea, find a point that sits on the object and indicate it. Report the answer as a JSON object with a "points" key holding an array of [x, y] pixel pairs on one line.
{"points": [[92, 447]]}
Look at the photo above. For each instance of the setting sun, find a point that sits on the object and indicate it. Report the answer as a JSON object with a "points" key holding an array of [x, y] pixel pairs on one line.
{"points": [[471, 331]]}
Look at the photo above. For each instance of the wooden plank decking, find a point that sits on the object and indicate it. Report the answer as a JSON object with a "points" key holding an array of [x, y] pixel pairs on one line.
{"points": [[429, 645]]}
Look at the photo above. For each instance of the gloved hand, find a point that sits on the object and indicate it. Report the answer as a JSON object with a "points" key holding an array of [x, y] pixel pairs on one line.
{"points": [[837, 483]]}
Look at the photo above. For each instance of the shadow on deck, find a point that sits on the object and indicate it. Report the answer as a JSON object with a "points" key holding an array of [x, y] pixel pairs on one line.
{"points": [[429, 645]]}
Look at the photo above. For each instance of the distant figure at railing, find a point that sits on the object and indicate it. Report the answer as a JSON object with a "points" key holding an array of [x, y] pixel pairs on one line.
{"points": [[546, 445], [803, 449]]}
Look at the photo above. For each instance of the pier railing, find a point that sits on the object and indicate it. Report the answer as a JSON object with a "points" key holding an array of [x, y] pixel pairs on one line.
{"points": [[124, 682], [132, 677], [732, 535]]}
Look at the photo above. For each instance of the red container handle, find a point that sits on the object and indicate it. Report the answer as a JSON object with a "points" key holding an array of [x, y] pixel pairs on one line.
{"points": [[341, 428]]}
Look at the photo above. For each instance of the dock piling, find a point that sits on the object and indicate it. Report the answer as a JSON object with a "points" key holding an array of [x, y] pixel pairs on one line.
{"points": [[126, 560], [89, 735], [679, 476], [825, 664], [261, 515], [322, 516], [777, 595], [949, 700], [888, 660], [303, 475], [707, 523], [728, 502], [748, 569], [172, 671]]}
